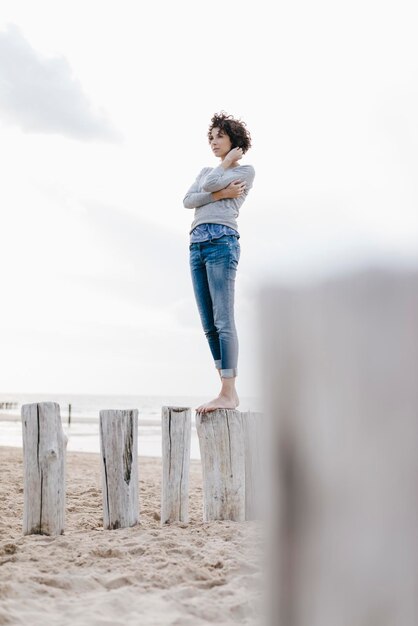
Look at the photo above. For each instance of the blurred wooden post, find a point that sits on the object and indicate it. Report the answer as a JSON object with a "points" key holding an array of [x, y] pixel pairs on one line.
{"points": [[254, 444], [44, 451], [176, 436], [341, 378], [221, 441], [69, 414], [119, 464]]}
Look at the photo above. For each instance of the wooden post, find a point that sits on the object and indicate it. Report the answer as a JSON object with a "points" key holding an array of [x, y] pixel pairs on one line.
{"points": [[222, 453], [254, 444], [176, 436], [341, 372], [119, 463], [44, 450]]}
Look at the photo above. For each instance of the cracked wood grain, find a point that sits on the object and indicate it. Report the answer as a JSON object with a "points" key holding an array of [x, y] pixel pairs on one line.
{"points": [[119, 464], [44, 452], [176, 437]]}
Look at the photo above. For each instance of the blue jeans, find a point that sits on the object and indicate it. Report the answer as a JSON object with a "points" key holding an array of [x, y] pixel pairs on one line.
{"points": [[213, 266]]}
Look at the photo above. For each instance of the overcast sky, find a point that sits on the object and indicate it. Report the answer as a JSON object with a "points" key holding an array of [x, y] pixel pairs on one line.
{"points": [[104, 111]]}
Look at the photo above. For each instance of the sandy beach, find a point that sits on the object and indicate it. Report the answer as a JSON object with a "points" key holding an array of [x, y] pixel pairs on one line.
{"points": [[183, 575]]}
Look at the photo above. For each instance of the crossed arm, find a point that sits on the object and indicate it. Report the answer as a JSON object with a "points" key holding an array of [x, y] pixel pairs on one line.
{"points": [[213, 190]]}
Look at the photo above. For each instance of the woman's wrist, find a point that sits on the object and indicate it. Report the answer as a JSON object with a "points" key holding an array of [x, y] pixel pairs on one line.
{"points": [[217, 195]]}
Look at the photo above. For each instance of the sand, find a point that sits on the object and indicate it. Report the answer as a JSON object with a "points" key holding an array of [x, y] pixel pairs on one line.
{"points": [[183, 575]]}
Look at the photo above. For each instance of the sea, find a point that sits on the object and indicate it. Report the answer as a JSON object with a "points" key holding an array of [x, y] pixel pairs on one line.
{"points": [[80, 418]]}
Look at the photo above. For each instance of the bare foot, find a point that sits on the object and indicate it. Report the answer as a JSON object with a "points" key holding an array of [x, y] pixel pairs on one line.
{"points": [[221, 402]]}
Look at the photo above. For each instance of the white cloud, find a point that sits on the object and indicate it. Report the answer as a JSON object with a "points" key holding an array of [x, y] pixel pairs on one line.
{"points": [[42, 95]]}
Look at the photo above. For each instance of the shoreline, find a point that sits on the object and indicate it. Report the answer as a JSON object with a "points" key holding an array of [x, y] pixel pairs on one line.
{"points": [[80, 420]]}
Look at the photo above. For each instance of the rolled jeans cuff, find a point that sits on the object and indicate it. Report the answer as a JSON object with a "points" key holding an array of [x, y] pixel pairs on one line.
{"points": [[218, 364], [229, 373]]}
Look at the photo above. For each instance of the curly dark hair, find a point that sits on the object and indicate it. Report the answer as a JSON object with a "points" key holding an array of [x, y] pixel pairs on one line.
{"points": [[235, 129]]}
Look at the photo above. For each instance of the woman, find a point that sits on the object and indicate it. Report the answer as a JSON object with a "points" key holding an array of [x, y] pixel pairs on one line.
{"points": [[217, 195]]}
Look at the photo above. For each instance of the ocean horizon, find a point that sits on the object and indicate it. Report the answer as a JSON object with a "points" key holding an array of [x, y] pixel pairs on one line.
{"points": [[80, 417]]}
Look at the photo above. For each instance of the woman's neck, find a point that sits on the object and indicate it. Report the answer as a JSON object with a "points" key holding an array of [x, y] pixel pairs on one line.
{"points": [[230, 167]]}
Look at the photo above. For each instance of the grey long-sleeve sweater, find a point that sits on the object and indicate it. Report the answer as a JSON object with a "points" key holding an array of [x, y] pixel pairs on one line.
{"points": [[199, 196]]}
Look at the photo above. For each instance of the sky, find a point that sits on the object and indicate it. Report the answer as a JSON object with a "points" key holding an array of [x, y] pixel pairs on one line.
{"points": [[104, 112]]}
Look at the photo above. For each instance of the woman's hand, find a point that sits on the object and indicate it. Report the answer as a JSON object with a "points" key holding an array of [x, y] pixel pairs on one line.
{"points": [[233, 155], [233, 190]]}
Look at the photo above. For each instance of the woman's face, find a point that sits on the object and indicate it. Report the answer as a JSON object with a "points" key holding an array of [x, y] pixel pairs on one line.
{"points": [[220, 142]]}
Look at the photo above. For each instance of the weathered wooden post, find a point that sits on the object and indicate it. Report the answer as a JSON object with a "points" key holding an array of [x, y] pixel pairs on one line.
{"points": [[254, 445], [44, 450], [221, 441], [176, 436], [341, 378], [119, 463]]}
